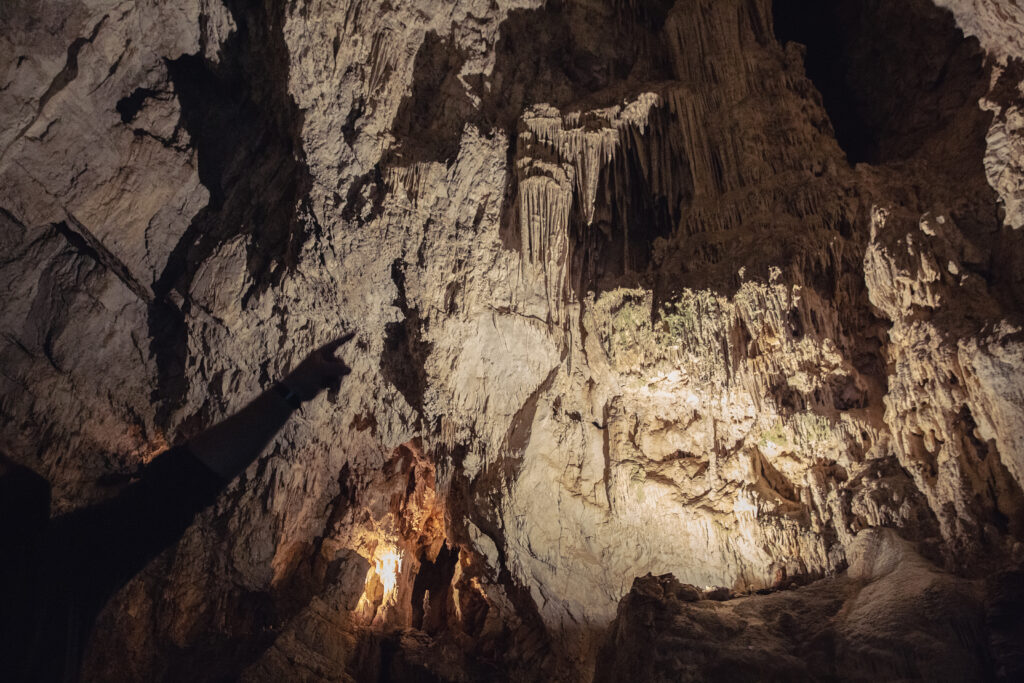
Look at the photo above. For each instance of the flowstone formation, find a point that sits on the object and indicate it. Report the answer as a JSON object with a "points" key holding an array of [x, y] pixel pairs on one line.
{"points": [[727, 290]]}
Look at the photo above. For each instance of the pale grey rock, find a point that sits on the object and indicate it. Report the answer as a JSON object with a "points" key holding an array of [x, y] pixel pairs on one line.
{"points": [[622, 307], [998, 25]]}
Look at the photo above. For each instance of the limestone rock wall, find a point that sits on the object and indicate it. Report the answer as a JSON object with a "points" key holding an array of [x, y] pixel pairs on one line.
{"points": [[892, 616], [637, 287]]}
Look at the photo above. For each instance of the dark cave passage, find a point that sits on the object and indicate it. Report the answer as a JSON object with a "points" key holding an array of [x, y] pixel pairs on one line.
{"points": [[631, 210], [894, 77], [431, 591]]}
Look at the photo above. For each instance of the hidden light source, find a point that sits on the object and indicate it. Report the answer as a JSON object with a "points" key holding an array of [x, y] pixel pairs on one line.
{"points": [[386, 564]]}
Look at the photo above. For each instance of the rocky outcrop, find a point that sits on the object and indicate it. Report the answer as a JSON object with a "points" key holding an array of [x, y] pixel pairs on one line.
{"points": [[893, 616], [715, 289]]}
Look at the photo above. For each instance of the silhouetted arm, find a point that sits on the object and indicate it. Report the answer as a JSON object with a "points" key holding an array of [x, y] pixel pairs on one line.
{"points": [[227, 448], [103, 546]]}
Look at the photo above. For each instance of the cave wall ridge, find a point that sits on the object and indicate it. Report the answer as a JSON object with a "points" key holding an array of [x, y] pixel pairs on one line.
{"points": [[638, 288]]}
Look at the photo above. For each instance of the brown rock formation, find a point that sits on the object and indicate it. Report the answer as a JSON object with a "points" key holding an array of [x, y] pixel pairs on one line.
{"points": [[724, 289], [892, 616]]}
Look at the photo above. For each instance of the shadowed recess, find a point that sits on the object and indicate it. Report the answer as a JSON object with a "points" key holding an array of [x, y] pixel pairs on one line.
{"points": [[246, 130], [893, 75]]}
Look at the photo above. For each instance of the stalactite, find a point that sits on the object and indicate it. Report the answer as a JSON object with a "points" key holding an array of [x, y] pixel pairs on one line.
{"points": [[673, 318]]}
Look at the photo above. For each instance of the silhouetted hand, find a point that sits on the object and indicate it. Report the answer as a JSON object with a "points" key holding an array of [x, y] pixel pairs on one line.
{"points": [[318, 371], [228, 447]]}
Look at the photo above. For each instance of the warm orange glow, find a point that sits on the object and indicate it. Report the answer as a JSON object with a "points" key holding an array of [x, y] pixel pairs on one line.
{"points": [[387, 563], [380, 591]]}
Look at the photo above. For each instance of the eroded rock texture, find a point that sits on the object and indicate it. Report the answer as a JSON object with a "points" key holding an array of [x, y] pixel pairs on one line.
{"points": [[892, 616], [728, 290]]}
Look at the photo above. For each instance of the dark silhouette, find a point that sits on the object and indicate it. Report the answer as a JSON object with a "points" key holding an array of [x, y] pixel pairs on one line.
{"points": [[57, 574]]}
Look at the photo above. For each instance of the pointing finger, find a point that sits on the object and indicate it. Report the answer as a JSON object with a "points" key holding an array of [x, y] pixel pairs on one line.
{"points": [[331, 347]]}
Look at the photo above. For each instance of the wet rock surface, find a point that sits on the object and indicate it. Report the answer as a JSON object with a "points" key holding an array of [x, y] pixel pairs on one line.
{"points": [[729, 291]]}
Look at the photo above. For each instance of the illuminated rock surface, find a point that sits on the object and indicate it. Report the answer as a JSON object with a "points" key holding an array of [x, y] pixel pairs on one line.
{"points": [[638, 287]]}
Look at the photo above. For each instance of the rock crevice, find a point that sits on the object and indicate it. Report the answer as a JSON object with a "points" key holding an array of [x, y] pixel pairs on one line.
{"points": [[727, 290]]}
